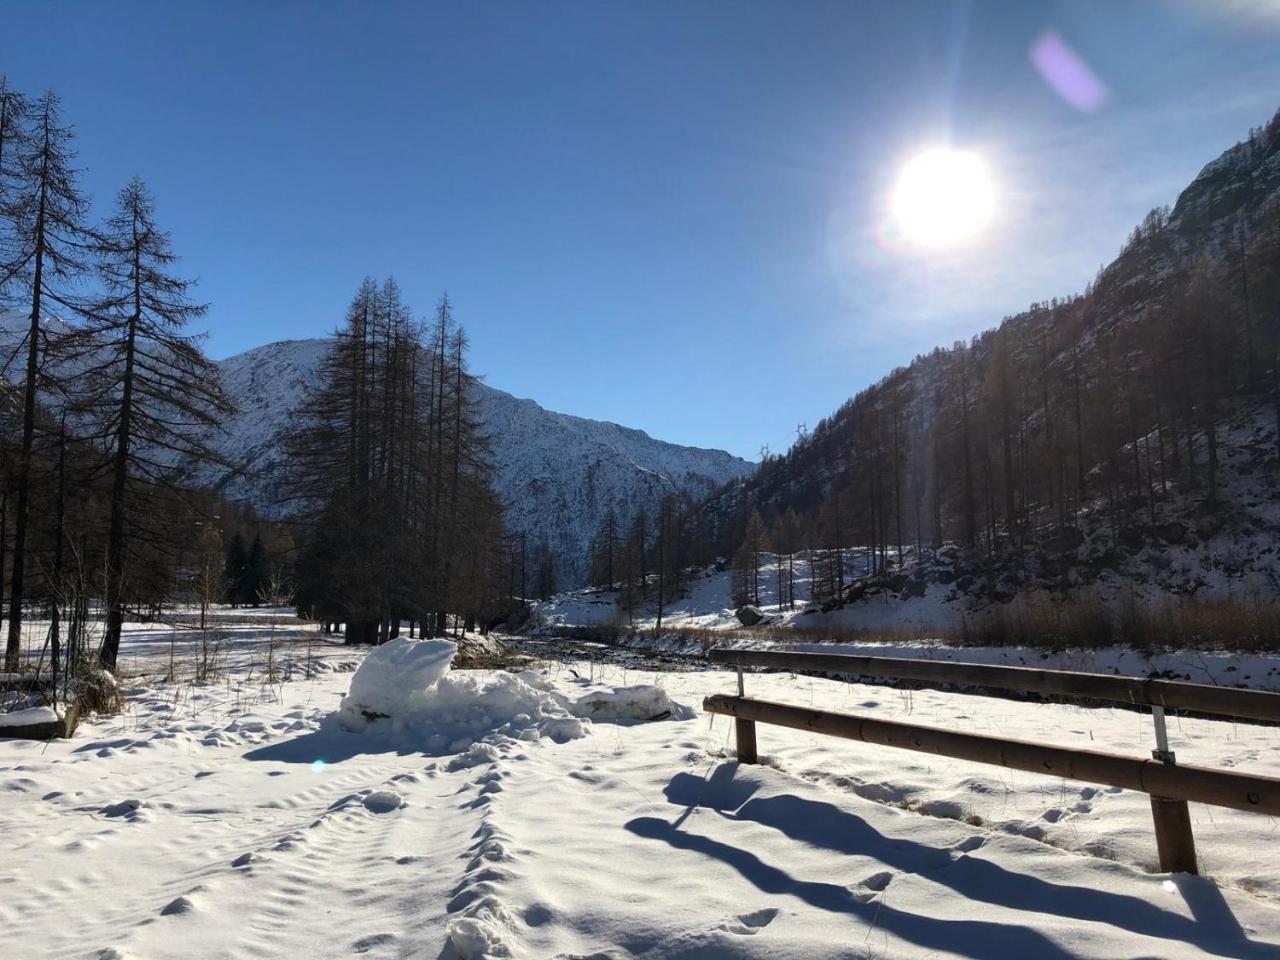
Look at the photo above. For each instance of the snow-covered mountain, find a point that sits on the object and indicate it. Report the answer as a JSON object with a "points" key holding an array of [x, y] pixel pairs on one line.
{"points": [[559, 474]]}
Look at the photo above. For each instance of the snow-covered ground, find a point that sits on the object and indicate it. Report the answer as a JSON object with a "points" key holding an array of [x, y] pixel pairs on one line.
{"points": [[878, 627], [707, 604], [237, 639], [237, 818]]}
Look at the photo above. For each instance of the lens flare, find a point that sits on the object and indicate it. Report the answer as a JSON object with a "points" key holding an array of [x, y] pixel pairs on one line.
{"points": [[1067, 73], [943, 196]]}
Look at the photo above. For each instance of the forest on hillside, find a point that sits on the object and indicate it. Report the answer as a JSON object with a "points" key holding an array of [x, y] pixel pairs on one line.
{"points": [[1103, 409], [1098, 408]]}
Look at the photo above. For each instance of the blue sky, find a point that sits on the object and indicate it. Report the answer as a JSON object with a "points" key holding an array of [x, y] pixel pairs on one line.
{"points": [[664, 214]]}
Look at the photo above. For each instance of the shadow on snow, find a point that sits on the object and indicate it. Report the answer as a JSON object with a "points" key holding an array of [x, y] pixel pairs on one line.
{"points": [[1212, 928]]}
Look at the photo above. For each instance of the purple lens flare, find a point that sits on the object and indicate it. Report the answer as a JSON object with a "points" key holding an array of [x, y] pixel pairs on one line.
{"points": [[1064, 70]]}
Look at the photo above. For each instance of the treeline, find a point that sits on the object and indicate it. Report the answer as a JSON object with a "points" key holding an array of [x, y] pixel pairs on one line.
{"points": [[646, 557], [391, 480], [1109, 403], [105, 399]]}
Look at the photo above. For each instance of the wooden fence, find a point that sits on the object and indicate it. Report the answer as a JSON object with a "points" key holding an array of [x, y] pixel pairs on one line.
{"points": [[1169, 784]]}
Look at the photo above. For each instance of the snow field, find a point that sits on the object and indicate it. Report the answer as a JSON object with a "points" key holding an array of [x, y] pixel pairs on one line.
{"points": [[240, 820]]}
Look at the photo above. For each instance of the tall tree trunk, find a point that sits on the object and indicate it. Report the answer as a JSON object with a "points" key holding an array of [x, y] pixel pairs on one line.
{"points": [[119, 483], [22, 508]]}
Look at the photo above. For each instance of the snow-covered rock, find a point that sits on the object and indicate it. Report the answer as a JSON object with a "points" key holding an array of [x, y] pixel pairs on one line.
{"points": [[641, 702], [29, 717]]}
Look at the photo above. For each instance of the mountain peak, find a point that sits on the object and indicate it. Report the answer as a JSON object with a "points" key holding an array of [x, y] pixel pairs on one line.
{"points": [[559, 474]]}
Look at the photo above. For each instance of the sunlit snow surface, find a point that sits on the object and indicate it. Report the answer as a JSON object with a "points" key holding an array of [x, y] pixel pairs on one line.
{"points": [[238, 819]]}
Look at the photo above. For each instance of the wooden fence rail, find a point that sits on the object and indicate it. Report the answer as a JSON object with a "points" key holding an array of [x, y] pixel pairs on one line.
{"points": [[1169, 785], [1167, 694]]}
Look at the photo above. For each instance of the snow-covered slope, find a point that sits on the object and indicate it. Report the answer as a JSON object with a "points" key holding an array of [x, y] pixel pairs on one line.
{"points": [[558, 474]]}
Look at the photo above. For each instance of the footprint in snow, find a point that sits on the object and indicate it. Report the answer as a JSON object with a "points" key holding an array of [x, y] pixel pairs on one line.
{"points": [[365, 944], [537, 914], [383, 801], [178, 906], [969, 844], [873, 885], [125, 808], [749, 924], [289, 842]]}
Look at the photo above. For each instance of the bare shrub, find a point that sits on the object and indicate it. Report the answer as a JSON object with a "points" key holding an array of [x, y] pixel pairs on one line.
{"points": [[276, 593], [94, 690], [209, 654]]}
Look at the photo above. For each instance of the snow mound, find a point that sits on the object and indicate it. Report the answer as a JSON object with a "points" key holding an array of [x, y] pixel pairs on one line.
{"points": [[475, 939], [405, 689], [643, 702], [394, 678]]}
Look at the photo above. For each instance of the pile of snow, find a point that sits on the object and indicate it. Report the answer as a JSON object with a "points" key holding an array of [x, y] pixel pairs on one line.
{"points": [[394, 679], [643, 702], [404, 688]]}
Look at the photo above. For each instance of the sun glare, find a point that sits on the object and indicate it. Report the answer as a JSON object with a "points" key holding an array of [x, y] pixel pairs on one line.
{"points": [[942, 197]]}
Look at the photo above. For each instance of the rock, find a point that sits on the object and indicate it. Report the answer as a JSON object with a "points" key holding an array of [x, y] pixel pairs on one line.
{"points": [[748, 615], [1171, 532], [39, 723]]}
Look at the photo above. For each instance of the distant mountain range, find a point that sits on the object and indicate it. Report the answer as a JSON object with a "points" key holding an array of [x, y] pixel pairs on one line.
{"points": [[558, 474]]}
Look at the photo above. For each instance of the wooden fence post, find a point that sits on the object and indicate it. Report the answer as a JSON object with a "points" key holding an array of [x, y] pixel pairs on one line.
{"points": [[1175, 842], [746, 734]]}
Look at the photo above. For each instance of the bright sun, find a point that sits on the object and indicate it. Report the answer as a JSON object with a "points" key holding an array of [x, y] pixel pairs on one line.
{"points": [[942, 197]]}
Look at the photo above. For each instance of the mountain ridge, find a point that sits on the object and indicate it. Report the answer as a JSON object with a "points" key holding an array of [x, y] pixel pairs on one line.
{"points": [[558, 473]]}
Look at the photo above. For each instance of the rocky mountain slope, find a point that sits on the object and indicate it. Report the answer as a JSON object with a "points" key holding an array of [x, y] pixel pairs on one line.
{"points": [[558, 474]]}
